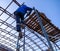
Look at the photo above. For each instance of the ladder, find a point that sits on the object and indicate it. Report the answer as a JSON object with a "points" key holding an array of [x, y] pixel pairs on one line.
{"points": [[43, 30], [18, 44]]}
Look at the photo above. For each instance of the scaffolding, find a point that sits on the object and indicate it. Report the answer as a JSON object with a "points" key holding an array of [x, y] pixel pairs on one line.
{"points": [[32, 24]]}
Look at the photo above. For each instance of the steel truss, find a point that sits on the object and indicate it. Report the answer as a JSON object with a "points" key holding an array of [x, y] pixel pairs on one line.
{"points": [[32, 30]]}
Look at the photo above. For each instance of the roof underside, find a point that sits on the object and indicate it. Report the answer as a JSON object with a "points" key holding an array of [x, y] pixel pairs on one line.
{"points": [[35, 40]]}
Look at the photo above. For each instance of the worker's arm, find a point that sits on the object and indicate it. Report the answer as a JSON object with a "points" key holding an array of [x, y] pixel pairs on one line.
{"points": [[29, 11]]}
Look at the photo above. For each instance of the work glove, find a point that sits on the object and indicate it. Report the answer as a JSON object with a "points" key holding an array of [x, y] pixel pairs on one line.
{"points": [[28, 13], [33, 8]]}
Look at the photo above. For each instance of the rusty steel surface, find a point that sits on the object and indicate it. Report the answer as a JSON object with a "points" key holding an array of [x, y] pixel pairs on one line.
{"points": [[52, 30]]}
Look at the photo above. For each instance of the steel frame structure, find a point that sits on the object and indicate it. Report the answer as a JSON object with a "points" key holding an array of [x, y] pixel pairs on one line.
{"points": [[35, 33]]}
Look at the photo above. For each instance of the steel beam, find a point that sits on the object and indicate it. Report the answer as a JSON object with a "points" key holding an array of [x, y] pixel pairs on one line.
{"points": [[43, 30]]}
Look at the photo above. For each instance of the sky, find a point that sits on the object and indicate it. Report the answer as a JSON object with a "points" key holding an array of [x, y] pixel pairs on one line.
{"points": [[50, 7]]}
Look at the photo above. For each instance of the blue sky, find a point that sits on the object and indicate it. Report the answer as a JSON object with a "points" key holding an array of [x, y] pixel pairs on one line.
{"points": [[50, 7]]}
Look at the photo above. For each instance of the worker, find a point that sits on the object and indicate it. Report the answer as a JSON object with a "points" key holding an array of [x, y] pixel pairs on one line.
{"points": [[19, 13]]}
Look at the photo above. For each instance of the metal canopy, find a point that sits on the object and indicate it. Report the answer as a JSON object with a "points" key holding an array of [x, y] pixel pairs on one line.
{"points": [[33, 23], [35, 41]]}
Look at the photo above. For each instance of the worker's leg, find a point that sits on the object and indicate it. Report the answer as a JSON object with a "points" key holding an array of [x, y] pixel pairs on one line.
{"points": [[22, 22], [21, 16], [18, 26], [22, 19], [17, 21]]}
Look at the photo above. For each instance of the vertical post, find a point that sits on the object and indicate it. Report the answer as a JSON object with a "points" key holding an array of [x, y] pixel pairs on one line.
{"points": [[18, 46], [43, 30], [24, 40], [57, 46], [16, 2]]}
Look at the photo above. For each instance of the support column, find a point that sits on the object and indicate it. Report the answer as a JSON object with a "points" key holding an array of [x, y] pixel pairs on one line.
{"points": [[24, 40], [18, 46], [43, 30]]}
